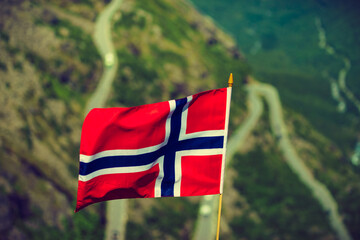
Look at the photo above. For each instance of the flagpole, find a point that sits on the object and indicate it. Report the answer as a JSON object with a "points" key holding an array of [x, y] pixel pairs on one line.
{"points": [[231, 80], [218, 220], [230, 84]]}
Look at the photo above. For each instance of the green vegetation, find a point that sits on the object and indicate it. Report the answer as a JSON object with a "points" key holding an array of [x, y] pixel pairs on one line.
{"points": [[166, 56], [130, 19], [4, 36], [3, 66], [289, 56], [65, 84], [174, 27], [135, 90], [37, 61], [89, 3], [314, 104], [341, 21], [136, 231], [56, 89], [285, 207], [169, 218], [84, 46], [28, 219], [18, 66], [221, 64], [84, 225], [336, 174], [25, 130]]}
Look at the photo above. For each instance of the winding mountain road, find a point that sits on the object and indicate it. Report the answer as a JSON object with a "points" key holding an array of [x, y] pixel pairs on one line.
{"points": [[116, 210], [319, 190], [103, 42], [207, 223], [338, 84]]}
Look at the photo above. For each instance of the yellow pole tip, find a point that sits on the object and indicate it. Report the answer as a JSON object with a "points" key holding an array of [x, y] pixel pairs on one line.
{"points": [[231, 80]]}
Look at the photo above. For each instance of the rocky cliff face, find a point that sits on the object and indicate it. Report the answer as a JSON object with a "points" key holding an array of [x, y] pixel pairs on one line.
{"points": [[48, 69], [44, 81]]}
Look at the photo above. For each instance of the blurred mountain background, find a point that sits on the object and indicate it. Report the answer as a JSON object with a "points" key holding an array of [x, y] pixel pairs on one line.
{"points": [[49, 68]]}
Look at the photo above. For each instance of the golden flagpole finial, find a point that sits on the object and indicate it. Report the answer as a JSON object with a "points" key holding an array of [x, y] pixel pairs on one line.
{"points": [[231, 80]]}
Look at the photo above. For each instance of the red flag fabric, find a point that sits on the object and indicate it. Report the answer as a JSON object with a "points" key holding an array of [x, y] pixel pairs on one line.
{"points": [[167, 149]]}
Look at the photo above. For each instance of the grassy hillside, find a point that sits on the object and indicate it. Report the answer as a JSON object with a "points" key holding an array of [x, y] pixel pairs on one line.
{"points": [[163, 59], [48, 66]]}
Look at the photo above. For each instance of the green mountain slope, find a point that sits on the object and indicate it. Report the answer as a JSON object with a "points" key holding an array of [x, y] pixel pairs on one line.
{"points": [[282, 42]]}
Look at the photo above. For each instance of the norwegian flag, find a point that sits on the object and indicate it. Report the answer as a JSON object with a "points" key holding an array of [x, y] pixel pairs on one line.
{"points": [[168, 149]]}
